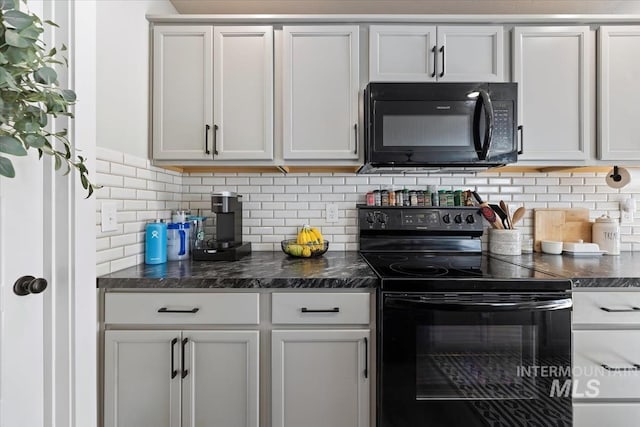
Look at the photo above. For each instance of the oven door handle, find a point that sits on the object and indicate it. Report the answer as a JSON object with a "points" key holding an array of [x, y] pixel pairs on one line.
{"points": [[453, 305]]}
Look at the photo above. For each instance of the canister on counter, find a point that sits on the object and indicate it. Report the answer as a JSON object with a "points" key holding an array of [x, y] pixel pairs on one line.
{"points": [[428, 199], [450, 199]]}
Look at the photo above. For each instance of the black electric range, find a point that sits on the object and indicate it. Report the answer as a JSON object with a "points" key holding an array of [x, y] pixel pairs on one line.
{"points": [[456, 328]]}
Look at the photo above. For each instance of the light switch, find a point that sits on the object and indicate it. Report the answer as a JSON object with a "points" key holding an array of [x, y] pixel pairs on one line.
{"points": [[109, 218], [331, 212], [627, 210]]}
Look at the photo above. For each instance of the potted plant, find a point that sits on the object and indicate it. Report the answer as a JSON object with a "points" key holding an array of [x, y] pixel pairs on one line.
{"points": [[30, 95]]}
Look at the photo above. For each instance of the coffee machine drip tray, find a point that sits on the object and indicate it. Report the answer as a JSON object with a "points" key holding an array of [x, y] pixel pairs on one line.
{"points": [[222, 252]]}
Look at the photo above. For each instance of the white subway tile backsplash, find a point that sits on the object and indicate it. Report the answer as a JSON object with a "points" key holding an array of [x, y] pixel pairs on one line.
{"points": [[276, 206]]}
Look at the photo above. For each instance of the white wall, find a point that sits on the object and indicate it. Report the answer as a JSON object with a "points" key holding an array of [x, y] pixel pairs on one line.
{"points": [[123, 73]]}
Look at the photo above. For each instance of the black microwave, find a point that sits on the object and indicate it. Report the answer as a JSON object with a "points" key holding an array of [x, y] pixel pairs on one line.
{"points": [[426, 125]]}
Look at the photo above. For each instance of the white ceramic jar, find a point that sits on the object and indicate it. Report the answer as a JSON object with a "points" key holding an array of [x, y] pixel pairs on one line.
{"points": [[504, 242], [606, 233]]}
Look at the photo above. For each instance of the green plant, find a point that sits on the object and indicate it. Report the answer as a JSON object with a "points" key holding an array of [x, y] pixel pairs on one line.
{"points": [[30, 94]]}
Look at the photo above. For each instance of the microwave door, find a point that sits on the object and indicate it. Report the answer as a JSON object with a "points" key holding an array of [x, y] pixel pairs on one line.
{"points": [[483, 103]]}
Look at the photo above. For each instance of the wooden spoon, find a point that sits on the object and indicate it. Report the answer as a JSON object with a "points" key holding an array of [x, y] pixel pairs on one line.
{"points": [[518, 215], [505, 209]]}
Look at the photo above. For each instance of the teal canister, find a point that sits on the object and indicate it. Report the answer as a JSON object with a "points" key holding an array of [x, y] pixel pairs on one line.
{"points": [[155, 242]]}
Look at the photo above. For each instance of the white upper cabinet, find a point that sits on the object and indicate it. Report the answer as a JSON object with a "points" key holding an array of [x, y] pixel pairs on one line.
{"points": [[212, 92], [320, 92], [552, 66], [619, 91], [430, 53], [243, 93], [182, 91]]}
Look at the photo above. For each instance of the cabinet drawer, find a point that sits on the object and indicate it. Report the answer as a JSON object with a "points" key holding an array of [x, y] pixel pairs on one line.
{"points": [[608, 308], [606, 364], [182, 308], [320, 308], [605, 414]]}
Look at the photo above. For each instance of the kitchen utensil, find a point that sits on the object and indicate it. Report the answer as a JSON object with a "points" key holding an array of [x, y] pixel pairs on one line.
{"points": [[606, 233], [479, 199], [551, 247], [308, 250], [568, 225], [503, 217], [505, 208], [490, 215], [517, 216]]}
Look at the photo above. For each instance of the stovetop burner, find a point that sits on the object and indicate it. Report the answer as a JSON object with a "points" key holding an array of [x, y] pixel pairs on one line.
{"points": [[419, 270]]}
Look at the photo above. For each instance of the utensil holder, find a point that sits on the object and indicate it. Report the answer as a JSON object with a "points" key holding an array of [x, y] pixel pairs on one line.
{"points": [[505, 242]]}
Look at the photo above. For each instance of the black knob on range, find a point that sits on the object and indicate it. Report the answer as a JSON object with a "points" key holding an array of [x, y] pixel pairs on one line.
{"points": [[29, 285], [371, 218], [382, 218], [458, 219], [470, 219], [446, 219]]}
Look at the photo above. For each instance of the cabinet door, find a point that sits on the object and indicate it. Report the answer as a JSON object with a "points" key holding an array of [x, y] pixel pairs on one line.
{"points": [[402, 53], [619, 90], [138, 386], [182, 91], [470, 53], [555, 87], [320, 92], [605, 414], [243, 93], [220, 384], [320, 378]]}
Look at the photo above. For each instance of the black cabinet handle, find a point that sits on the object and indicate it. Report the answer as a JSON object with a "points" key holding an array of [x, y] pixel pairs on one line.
{"points": [[435, 60], [26, 285], [442, 50], [166, 310], [326, 310], [355, 130], [366, 357], [185, 372], [173, 345], [215, 140], [635, 367], [521, 131], [621, 310], [206, 139]]}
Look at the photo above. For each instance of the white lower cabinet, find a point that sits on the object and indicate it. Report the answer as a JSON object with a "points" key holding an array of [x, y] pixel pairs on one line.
{"points": [[320, 378], [606, 414], [181, 378]]}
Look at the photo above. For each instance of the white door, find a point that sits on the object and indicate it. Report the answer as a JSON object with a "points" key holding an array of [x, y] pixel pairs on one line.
{"points": [[552, 66], [48, 340], [320, 92], [220, 387], [243, 93], [619, 90], [320, 378], [142, 376]]}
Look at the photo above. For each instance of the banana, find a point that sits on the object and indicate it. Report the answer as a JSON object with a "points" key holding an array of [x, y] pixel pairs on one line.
{"points": [[318, 235]]}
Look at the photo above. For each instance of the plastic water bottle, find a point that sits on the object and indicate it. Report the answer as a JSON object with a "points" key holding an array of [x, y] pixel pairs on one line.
{"points": [[155, 243], [178, 241]]}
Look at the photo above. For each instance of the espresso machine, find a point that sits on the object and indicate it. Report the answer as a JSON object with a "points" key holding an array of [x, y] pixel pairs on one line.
{"points": [[227, 244]]}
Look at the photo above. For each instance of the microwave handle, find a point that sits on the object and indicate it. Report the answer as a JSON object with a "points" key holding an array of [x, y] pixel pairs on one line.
{"points": [[485, 98]]}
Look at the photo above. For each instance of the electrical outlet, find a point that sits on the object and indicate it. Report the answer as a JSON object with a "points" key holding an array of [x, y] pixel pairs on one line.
{"points": [[627, 210], [331, 212], [109, 214]]}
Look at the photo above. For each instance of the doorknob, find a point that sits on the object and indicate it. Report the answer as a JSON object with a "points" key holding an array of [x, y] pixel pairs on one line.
{"points": [[29, 285]]}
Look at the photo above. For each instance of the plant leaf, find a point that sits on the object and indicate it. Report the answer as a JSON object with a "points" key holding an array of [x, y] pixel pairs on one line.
{"points": [[18, 19], [34, 140], [46, 75], [6, 168], [58, 162], [6, 79], [68, 95], [8, 4], [53, 24], [11, 145], [14, 39]]}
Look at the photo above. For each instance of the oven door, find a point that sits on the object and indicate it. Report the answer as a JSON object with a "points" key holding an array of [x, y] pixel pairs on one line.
{"points": [[474, 359]]}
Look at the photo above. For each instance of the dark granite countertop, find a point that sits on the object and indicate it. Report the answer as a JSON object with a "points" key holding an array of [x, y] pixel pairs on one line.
{"points": [[604, 271], [258, 270]]}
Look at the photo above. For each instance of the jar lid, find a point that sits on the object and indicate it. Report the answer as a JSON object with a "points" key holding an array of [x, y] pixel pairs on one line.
{"points": [[606, 218]]}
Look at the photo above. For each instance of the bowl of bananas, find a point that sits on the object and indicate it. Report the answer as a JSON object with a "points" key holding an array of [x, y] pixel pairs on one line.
{"points": [[308, 244]]}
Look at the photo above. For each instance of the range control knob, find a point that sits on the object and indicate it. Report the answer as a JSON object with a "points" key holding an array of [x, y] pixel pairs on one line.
{"points": [[470, 219], [446, 219], [371, 218], [458, 219], [382, 218]]}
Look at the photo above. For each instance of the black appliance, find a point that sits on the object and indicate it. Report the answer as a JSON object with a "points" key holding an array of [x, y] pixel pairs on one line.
{"points": [[463, 339], [433, 125]]}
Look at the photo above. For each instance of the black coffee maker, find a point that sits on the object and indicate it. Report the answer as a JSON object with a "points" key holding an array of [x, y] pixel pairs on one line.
{"points": [[227, 243]]}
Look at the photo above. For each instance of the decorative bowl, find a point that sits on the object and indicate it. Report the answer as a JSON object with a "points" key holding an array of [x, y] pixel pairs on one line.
{"points": [[308, 250]]}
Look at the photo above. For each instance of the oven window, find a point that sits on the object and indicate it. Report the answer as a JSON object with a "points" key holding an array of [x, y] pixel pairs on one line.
{"points": [[478, 362], [426, 130]]}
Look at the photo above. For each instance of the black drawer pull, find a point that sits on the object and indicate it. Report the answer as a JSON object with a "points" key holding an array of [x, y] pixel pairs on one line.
{"points": [[166, 310], [620, 310], [366, 357], [173, 344], [185, 372], [326, 310], [635, 367]]}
